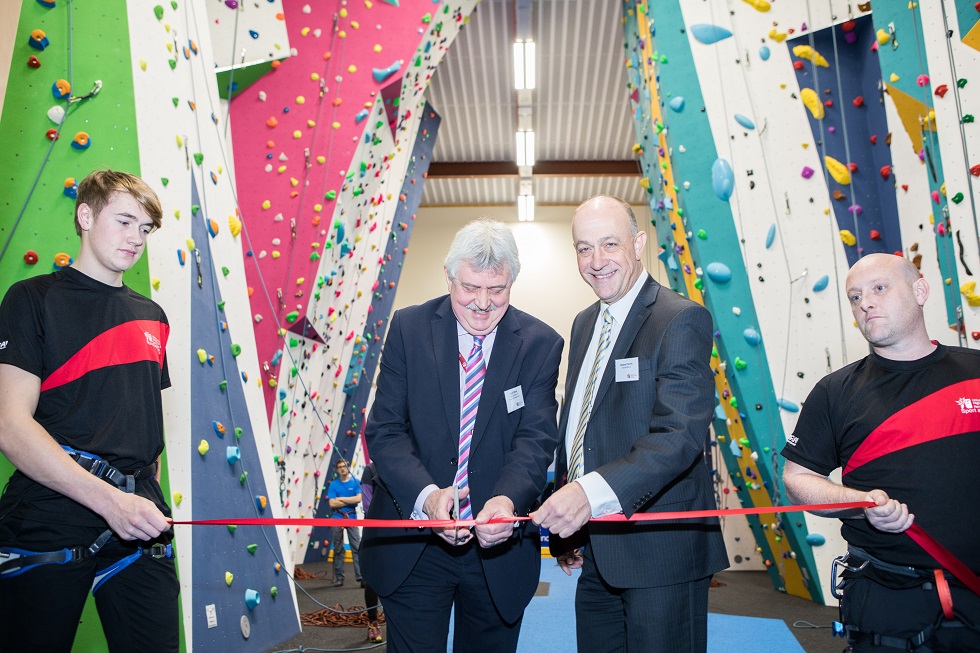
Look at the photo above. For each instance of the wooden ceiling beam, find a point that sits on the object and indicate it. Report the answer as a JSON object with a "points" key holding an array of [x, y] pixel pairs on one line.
{"points": [[470, 169]]}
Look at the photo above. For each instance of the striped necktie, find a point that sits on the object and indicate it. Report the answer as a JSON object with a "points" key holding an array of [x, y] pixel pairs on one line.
{"points": [[475, 370], [576, 462]]}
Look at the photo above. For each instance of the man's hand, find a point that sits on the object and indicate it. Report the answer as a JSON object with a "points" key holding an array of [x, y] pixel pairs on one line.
{"points": [[888, 515], [571, 560], [565, 511], [439, 505], [132, 517], [493, 534]]}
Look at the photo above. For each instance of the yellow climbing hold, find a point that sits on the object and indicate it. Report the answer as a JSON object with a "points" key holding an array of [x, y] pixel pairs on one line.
{"points": [[893, 78], [969, 291], [180, 141], [155, 282], [143, 65], [266, 204], [883, 37], [178, 498], [847, 237], [234, 225], [812, 102], [228, 578], [203, 447], [778, 37], [811, 55], [759, 5], [191, 245], [202, 356], [645, 183], [838, 171]]}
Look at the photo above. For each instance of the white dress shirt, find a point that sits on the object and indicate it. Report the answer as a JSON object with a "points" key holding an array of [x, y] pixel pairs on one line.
{"points": [[601, 497]]}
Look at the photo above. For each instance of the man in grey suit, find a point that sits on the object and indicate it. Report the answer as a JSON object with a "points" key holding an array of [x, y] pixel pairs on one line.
{"points": [[639, 397]]}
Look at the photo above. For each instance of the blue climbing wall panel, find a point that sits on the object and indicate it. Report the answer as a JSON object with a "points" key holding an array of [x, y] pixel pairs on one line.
{"points": [[221, 488]]}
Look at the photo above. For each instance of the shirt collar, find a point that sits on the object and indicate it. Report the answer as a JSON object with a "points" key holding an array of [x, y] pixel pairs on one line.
{"points": [[621, 309]]}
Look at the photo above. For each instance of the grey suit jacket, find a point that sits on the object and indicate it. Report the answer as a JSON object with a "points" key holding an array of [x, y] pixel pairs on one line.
{"points": [[646, 439]]}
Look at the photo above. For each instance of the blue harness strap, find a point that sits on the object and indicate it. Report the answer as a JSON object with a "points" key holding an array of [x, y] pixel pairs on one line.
{"points": [[14, 562]]}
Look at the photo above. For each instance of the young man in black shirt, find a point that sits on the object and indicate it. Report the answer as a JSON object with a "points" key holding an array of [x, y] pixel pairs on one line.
{"points": [[904, 425], [82, 365]]}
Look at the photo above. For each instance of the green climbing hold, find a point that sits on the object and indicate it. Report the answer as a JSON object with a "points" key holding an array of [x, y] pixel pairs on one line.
{"points": [[225, 271], [195, 209], [238, 433], [164, 181], [740, 364], [223, 385], [293, 342], [231, 528], [243, 478], [293, 372], [236, 350], [733, 402], [158, 12], [173, 63], [173, 3], [357, 191], [331, 195], [967, 117], [427, 18], [714, 351], [273, 591], [957, 198], [198, 157], [961, 82], [176, 101], [315, 256], [252, 548], [221, 305], [702, 234], [283, 409], [743, 441], [699, 283], [292, 316]]}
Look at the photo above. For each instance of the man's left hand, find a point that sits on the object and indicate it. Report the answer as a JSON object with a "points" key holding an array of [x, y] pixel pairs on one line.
{"points": [[492, 534], [565, 511]]}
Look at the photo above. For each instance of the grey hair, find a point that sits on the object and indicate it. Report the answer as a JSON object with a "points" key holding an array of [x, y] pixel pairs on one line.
{"points": [[486, 245], [634, 226]]}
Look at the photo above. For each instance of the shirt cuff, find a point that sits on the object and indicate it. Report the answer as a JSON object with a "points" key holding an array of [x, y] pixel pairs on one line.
{"points": [[418, 512], [601, 497]]}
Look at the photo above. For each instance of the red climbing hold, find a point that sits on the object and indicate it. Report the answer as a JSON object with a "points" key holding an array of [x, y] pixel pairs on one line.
{"points": [[875, 234], [886, 171], [975, 170], [941, 90], [30, 257], [33, 62], [874, 139], [858, 101], [853, 167]]}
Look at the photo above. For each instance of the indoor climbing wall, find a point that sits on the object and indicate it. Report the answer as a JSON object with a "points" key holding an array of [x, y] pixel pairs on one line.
{"points": [[235, 589], [323, 148], [760, 206]]}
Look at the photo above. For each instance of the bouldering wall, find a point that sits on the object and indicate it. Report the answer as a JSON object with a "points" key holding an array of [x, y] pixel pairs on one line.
{"points": [[780, 143]]}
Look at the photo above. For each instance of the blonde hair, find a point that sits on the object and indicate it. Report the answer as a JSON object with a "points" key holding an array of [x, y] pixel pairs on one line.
{"points": [[97, 188]]}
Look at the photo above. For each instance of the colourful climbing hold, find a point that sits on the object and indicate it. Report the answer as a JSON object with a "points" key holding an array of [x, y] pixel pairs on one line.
{"points": [[81, 141], [203, 447], [847, 237]]}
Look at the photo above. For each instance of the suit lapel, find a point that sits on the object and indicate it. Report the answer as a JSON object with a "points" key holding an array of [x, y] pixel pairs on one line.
{"points": [[581, 335], [445, 345], [506, 352], [637, 316]]}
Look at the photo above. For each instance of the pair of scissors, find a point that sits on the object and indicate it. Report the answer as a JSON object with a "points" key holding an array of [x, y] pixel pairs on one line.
{"points": [[455, 513]]}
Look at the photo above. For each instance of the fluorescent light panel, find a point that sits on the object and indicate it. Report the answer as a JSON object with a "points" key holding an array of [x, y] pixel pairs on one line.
{"points": [[525, 208], [524, 65]]}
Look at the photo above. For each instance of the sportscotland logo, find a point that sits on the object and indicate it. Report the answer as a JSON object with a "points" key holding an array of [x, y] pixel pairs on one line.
{"points": [[152, 340], [968, 406]]}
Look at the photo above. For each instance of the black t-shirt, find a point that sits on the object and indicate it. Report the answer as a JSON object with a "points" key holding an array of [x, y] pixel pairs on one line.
{"points": [[100, 352], [910, 428]]}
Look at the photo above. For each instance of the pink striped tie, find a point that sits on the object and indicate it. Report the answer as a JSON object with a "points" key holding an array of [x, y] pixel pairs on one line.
{"points": [[474, 370]]}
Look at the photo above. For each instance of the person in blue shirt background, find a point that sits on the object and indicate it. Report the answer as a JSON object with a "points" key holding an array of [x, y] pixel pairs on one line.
{"points": [[344, 494]]}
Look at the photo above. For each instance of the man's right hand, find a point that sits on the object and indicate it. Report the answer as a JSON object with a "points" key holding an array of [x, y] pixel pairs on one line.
{"points": [[439, 505], [132, 517], [888, 515], [571, 560]]}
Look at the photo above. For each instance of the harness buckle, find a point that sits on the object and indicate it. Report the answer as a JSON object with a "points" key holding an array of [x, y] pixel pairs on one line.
{"points": [[837, 570]]}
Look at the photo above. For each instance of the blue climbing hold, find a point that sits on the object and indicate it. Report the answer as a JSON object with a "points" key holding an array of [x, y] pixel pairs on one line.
{"points": [[233, 454], [764, 53], [381, 74], [821, 283], [719, 412], [253, 33], [361, 115], [752, 336], [788, 405], [734, 448], [722, 179], [816, 539], [252, 599], [718, 272], [677, 104], [745, 122], [771, 235], [672, 263], [709, 34]]}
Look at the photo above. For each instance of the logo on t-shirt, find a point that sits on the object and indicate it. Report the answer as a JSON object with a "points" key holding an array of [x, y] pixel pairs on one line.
{"points": [[152, 340], [792, 439], [3, 345], [968, 406]]}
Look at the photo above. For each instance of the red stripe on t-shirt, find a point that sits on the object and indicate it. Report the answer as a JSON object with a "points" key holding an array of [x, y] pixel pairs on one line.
{"points": [[129, 342], [954, 410]]}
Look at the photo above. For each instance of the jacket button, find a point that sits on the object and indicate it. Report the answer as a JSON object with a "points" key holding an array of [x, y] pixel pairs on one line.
{"points": [[454, 461]]}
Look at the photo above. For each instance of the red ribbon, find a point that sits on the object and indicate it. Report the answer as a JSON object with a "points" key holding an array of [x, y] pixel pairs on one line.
{"points": [[466, 523]]}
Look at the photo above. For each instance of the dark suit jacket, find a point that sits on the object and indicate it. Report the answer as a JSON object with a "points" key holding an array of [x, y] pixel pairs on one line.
{"points": [[413, 438], [646, 439]]}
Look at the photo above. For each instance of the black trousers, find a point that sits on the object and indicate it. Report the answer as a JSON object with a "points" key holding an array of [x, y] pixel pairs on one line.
{"points": [[40, 608], [904, 613], [444, 578]]}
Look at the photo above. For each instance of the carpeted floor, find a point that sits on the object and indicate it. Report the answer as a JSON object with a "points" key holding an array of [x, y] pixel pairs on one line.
{"points": [[746, 616]]}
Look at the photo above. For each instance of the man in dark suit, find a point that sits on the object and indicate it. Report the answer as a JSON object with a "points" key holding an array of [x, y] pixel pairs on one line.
{"points": [[639, 397], [465, 405]]}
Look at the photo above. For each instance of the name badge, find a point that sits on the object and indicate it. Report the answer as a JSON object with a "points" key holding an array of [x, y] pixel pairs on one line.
{"points": [[514, 398], [627, 369]]}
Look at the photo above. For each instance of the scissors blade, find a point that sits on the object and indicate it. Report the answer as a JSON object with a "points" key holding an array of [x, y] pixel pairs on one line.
{"points": [[456, 509]]}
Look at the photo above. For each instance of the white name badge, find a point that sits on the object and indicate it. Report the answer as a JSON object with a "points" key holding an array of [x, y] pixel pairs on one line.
{"points": [[627, 369], [514, 398]]}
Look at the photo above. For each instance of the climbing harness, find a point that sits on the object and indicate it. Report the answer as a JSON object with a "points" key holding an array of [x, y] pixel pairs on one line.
{"points": [[14, 562]]}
